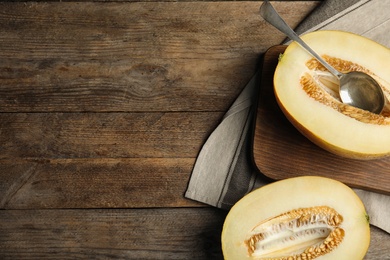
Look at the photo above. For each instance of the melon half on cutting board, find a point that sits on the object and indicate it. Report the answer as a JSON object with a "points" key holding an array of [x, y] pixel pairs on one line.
{"points": [[308, 94]]}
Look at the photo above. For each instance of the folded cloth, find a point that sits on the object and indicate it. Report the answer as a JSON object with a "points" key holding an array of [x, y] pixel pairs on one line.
{"points": [[328, 12], [224, 172]]}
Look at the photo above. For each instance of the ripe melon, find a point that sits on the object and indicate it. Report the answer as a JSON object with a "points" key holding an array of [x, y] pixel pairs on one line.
{"points": [[298, 218], [308, 94]]}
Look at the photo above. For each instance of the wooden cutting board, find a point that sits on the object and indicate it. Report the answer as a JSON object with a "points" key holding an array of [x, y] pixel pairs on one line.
{"points": [[280, 151]]}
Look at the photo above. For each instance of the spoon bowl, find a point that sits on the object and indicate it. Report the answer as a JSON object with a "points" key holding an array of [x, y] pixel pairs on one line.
{"points": [[360, 90], [357, 89]]}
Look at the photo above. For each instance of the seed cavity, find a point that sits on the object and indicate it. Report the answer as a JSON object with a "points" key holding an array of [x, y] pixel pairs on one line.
{"points": [[339, 64], [304, 233], [322, 86]]}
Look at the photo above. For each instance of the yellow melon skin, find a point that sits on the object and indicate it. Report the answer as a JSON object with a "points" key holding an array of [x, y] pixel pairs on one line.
{"points": [[323, 125], [300, 192]]}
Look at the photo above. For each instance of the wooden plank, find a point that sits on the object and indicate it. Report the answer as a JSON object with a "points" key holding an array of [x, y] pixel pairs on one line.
{"points": [[134, 56], [131, 234], [99, 183], [104, 135], [102, 234]]}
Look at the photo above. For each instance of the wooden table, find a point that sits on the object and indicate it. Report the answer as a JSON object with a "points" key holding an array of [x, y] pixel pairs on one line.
{"points": [[104, 107]]}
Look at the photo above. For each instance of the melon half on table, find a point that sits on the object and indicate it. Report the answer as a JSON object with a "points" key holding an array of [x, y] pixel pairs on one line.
{"points": [[308, 94], [298, 218]]}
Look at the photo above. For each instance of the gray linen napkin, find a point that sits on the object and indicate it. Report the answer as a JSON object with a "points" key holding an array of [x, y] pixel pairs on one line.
{"points": [[328, 12], [222, 173], [224, 170]]}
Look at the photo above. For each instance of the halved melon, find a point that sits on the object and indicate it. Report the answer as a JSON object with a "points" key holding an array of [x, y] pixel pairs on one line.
{"points": [[308, 94], [298, 218]]}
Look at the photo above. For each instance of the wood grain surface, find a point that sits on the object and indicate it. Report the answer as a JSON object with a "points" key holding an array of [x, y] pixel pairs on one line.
{"points": [[104, 107], [171, 233], [131, 56], [280, 151]]}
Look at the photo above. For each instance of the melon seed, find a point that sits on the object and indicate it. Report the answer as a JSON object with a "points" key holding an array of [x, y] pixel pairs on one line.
{"points": [[322, 79], [304, 233]]}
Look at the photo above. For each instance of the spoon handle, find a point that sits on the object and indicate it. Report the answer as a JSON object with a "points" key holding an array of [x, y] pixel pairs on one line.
{"points": [[269, 14]]}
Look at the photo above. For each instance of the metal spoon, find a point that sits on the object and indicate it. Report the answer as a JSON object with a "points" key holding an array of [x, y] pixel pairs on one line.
{"points": [[356, 88]]}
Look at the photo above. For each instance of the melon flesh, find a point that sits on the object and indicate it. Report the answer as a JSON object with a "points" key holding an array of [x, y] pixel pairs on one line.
{"points": [[273, 218], [336, 127]]}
